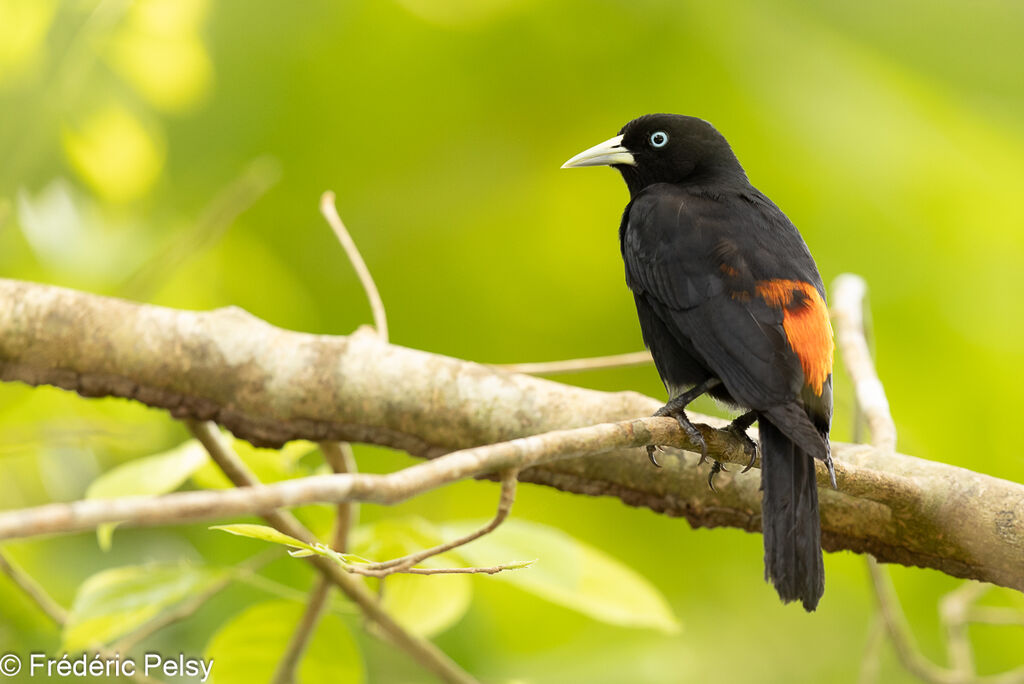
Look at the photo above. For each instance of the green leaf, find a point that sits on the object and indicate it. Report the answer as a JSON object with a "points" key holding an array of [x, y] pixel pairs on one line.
{"points": [[267, 534], [150, 475], [425, 605], [299, 548], [248, 648], [569, 572], [114, 602]]}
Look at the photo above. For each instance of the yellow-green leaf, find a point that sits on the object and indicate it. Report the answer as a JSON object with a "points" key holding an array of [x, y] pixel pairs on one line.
{"points": [[147, 476], [267, 534], [424, 604], [114, 602], [248, 648], [569, 572]]}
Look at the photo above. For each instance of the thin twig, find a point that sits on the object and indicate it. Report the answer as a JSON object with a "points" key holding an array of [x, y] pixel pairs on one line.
{"points": [[383, 489], [285, 672], [992, 615], [492, 570], [405, 563], [628, 360], [871, 663], [330, 213], [906, 647], [422, 651], [848, 296], [953, 611], [32, 589], [870, 405], [899, 631], [341, 460]]}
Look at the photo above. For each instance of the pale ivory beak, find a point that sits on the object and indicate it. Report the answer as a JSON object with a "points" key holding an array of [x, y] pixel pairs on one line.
{"points": [[609, 153]]}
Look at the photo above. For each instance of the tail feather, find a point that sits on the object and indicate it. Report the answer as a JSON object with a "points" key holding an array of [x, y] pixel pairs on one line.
{"points": [[789, 519]]}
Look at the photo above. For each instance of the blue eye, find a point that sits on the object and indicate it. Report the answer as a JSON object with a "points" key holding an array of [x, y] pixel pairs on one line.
{"points": [[659, 139]]}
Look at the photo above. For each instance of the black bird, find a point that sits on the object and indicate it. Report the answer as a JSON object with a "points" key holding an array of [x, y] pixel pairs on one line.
{"points": [[731, 304]]}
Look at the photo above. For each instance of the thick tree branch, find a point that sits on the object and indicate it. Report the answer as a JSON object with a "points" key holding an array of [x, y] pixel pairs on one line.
{"points": [[270, 385]]}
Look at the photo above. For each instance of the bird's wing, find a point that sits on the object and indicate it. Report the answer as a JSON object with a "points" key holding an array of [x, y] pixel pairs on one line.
{"points": [[709, 267]]}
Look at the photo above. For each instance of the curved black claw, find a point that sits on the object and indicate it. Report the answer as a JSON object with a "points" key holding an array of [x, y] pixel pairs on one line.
{"points": [[738, 428], [716, 467], [650, 454]]}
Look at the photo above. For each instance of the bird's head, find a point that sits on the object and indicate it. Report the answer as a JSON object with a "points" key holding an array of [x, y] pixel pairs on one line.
{"points": [[664, 148]]}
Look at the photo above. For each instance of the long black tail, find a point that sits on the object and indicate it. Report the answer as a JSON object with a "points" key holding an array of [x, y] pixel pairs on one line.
{"points": [[789, 519]]}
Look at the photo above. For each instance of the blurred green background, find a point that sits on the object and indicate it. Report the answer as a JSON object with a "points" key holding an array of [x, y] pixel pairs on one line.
{"points": [[175, 151]]}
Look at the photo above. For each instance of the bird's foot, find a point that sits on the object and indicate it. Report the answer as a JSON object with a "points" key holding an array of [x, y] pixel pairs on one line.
{"points": [[738, 428], [678, 412]]}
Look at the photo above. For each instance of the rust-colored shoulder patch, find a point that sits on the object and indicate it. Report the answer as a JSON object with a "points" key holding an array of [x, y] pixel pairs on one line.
{"points": [[807, 326]]}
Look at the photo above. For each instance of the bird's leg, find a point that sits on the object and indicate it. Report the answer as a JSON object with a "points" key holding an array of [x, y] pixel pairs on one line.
{"points": [[676, 408], [738, 428], [831, 468]]}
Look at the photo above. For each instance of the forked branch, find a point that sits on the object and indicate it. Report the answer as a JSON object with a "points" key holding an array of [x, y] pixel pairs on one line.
{"points": [[270, 385]]}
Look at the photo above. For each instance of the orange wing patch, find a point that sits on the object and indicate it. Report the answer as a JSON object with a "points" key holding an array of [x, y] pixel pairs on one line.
{"points": [[806, 322]]}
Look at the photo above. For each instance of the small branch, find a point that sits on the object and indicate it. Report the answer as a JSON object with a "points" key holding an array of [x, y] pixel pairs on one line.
{"points": [[392, 488], [33, 590], [642, 358], [285, 673], [906, 648], [870, 404], [848, 295], [405, 563], [899, 630], [953, 610], [341, 459], [991, 615], [871, 663], [330, 213], [492, 570], [422, 651], [848, 309]]}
